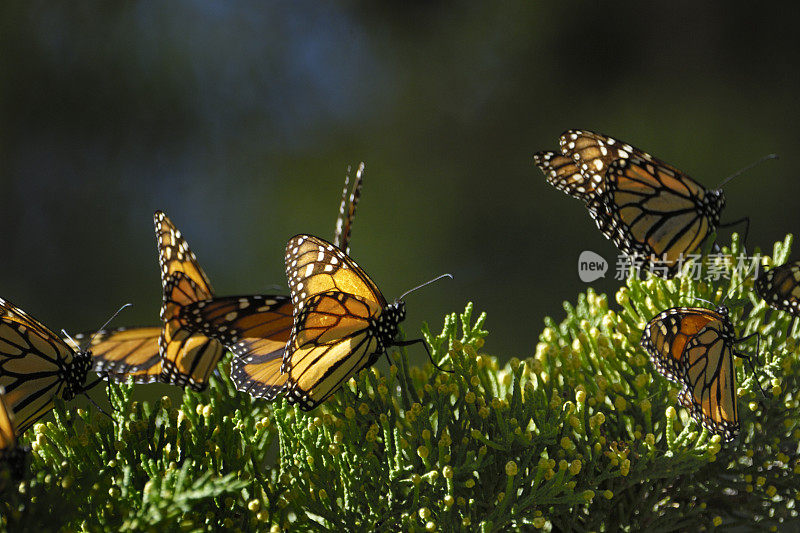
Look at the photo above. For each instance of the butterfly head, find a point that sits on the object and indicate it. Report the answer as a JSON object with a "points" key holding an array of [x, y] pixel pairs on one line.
{"points": [[721, 309], [399, 308]]}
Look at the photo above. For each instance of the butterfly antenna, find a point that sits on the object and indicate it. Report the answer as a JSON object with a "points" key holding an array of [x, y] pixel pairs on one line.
{"points": [[73, 341], [437, 278], [108, 321], [745, 169], [706, 301], [730, 291], [727, 294]]}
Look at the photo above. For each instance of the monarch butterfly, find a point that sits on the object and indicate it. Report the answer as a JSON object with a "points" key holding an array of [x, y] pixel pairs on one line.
{"points": [[256, 325], [259, 351], [651, 210], [36, 366], [11, 454], [694, 347], [780, 287], [342, 322]]}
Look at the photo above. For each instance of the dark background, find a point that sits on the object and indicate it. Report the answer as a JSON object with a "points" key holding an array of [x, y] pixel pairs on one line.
{"points": [[238, 119]]}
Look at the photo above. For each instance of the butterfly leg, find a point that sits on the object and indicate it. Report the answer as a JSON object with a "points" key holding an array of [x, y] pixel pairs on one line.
{"points": [[90, 386], [748, 337], [96, 405], [749, 358], [108, 391], [746, 232], [425, 345]]}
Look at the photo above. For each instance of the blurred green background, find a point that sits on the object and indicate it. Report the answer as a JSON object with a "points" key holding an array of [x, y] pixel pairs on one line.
{"points": [[238, 119]]}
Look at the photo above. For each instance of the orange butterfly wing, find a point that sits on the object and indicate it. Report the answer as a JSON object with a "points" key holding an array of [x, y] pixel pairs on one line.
{"points": [[334, 338], [314, 266], [657, 212], [255, 328], [12, 456], [341, 320], [125, 351], [580, 169], [693, 346], [648, 208], [187, 358], [8, 437]]}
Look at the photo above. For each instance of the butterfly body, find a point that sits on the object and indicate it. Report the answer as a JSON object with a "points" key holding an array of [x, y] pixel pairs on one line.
{"points": [[694, 347], [75, 374]]}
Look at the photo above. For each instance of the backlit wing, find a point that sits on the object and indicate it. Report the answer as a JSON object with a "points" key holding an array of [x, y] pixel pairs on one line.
{"points": [[710, 385], [315, 266], [123, 351], [656, 212], [8, 438], [347, 210], [255, 328], [187, 357], [666, 336], [333, 338], [34, 366]]}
